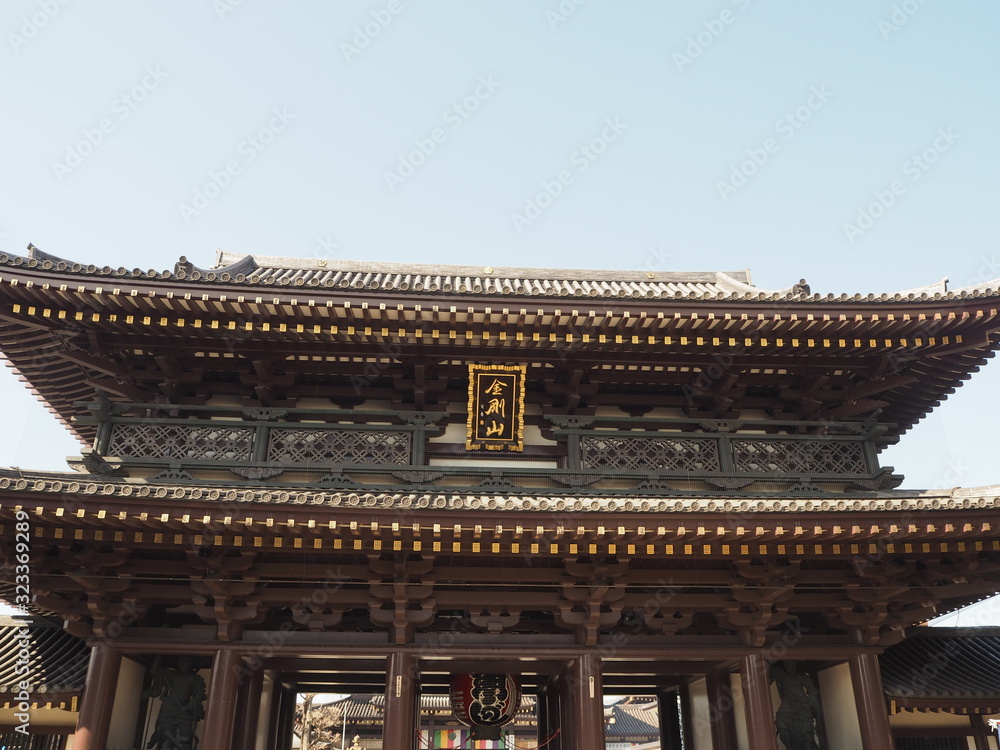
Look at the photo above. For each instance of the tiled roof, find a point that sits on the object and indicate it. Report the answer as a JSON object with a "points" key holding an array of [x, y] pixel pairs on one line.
{"points": [[167, 493], [371, 706], [532, 282], [58, 661], [632, 720], [412, 278], [944, 664]]}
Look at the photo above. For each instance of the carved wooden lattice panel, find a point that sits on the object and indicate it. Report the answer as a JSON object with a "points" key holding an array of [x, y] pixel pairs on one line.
{"points": [[634, 453], [176, 441], [799, 457], [338, 447]]}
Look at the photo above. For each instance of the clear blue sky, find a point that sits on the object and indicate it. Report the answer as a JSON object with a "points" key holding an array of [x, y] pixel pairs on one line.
{"points": [[419, 131]]}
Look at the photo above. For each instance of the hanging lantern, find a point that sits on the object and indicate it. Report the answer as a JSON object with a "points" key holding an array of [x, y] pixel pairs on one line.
{"points": [[485, 702]]}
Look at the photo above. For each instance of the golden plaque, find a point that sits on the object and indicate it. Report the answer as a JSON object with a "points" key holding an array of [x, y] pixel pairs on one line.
{"points": [[496, 408]]}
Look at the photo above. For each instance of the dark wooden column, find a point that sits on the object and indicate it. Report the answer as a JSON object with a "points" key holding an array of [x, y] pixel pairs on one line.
{"points": [[670, 719], [248, 707], [286, 720], [553, 717], [98, 699], [866, 677], [980, 731], [567, 710], [220, 716], [542, 698], [757, 703], [687, 715], [399, 725], [587, 702], [274, 713], [721, 711]]}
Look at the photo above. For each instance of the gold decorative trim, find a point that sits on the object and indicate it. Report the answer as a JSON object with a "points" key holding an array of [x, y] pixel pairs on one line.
{"points": [[495, 418]]}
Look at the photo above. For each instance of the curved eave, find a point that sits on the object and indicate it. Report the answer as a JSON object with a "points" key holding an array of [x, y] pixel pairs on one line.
{"points": [[558, 285], [57, 664], [943, 340], [967, 514], [965, 667]]}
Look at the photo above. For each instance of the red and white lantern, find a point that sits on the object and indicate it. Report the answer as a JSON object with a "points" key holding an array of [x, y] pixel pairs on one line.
{"points": [[485, 702]]}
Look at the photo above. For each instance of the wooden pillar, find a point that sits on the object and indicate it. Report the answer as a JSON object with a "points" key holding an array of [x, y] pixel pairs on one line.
{"points": [[274, 713], [721, 711], [757, 703], [98, 699], [399, 725], [869, 695], [567, 710], [980, 731], [687, 715], [220, 716], [587, 703], [553, 716], [543, 728], [286, 720], [670, 719], [248, 707]]}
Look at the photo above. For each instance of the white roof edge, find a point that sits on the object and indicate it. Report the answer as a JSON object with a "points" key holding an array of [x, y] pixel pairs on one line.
{"points": [[992, 284], [727, 282], [938, 287], [427, 269]]}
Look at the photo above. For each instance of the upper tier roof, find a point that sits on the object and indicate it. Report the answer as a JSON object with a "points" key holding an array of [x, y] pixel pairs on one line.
{"points": [[70, 330], [416, 278]]}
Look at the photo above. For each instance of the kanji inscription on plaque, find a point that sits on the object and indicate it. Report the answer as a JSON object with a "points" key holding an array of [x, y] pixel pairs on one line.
{"points": [[496, 408]]}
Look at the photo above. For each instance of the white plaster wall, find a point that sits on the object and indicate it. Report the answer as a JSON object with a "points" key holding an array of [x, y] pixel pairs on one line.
{"points": [[126, 706], [701, 732], [739, 712], [840, 712], [701, 714]]}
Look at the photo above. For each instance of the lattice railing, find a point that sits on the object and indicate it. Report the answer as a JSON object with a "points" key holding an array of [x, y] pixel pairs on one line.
{"points": [[145, 440], [614, 454], [657, 453], [798, 456], [289, 446]]}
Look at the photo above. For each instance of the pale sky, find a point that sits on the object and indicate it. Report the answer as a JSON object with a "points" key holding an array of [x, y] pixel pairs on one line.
{"points": [[849, 142]]}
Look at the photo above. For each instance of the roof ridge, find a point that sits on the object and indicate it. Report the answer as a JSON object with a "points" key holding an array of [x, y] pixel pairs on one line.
{"points": [[224, 259]]}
